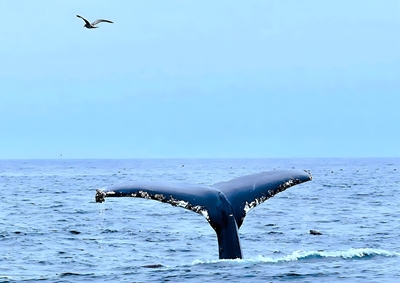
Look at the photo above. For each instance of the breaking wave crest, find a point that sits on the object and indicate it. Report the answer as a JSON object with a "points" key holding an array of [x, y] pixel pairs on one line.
{"points": [[307, 255]]}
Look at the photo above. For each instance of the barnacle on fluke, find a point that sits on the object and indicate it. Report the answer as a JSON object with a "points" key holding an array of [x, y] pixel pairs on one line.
{"points": [[100, 196]]}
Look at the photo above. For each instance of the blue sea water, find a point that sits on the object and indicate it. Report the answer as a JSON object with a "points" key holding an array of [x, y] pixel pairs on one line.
{"points": [[52, 230]]}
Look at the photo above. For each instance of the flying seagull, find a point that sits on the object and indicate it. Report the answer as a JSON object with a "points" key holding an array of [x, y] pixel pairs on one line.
{"points": [[92, 25]]}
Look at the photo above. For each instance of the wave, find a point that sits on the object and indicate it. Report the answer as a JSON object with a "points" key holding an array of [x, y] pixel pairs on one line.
{"points": [[307, 255]]}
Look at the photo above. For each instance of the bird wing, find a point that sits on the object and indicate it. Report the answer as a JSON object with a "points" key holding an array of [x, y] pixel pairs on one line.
{"points": [[101, 21], [86, 21]]}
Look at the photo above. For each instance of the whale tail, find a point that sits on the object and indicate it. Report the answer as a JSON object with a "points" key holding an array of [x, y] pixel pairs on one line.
{"points": [[223, 204]]}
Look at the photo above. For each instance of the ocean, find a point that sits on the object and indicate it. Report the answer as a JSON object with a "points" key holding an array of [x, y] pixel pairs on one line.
{"points": [[52, 230]]}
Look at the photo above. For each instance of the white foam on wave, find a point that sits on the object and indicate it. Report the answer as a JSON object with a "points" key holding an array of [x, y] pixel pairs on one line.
{"points": [[347, 254], [303, 255]]}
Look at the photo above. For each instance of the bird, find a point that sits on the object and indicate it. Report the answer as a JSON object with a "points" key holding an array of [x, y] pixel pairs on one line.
{"points": [[93, 25]]}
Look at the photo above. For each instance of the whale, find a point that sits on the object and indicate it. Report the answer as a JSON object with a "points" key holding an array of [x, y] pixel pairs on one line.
{"points": [[224, 204]]}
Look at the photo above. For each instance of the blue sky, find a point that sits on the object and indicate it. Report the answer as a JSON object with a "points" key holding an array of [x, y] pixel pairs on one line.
{"points": [[223, 78]]}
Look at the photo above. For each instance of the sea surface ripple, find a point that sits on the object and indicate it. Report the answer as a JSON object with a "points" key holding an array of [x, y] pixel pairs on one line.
{"points": [[52, 230]]}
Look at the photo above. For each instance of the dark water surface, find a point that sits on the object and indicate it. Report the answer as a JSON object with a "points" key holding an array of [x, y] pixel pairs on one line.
{"points": [[52, 230]]}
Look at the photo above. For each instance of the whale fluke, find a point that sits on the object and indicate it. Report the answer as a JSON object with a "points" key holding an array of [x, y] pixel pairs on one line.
{"points": [[223, 204]]}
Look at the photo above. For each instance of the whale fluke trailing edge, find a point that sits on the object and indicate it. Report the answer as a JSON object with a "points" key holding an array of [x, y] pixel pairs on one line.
{"points": [[223, 204]]}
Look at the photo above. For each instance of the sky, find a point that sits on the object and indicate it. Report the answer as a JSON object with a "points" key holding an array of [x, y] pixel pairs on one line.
{"points": [[200, 79]]}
